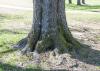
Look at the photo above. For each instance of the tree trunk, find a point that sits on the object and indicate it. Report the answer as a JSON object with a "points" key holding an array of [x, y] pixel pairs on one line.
{"points": [[49, 30], [70, 1], [83, 1], [78, 2]]}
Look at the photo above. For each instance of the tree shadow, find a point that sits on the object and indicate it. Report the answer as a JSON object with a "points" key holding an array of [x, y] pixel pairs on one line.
{"points": [[84, 54], [87, 55], [84, 7], [96, 11], [7, 51], [8, 67], [92, 6], [11, 31]]}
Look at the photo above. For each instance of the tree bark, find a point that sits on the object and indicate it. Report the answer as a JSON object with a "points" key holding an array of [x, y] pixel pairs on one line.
{"points": [[78, 2], [49, 30]]}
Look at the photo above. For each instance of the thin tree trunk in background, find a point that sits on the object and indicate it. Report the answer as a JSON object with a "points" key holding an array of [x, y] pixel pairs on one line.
{"points": [[78, 2], [83, 1], [49, 30], [70, 1]]}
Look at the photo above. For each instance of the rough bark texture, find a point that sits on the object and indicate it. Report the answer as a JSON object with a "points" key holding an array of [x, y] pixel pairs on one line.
{"points": [[78, 2], [49, 30], [70, 1]]}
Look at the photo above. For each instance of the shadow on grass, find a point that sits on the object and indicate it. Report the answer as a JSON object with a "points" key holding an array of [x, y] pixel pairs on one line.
{"points": [[87, 55], [7, 67], [95, 11], [4, 17], [7, 51], [11, 31], [84, 54]]}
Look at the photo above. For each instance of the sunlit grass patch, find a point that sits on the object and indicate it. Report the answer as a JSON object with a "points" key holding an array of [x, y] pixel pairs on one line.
{"points": [[7, 17], [98, 37], [7, 40], [9, 34], [84, 17], [82, 7], [25, 17]]}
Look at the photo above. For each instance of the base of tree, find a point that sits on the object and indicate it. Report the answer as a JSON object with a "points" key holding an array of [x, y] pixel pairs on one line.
{"points": [[22, 44], [49, 30]]}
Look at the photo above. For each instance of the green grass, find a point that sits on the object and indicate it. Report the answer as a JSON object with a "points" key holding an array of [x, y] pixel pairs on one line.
{"points": [[82, 7], [7, 67], [9, 37], [90, 2], [26, 16], [88, 18], [91, 5], [7, 17], [6, 40]]}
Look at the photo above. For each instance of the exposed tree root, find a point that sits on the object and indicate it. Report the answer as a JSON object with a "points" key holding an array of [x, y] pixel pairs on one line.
{"points": [[21, 44], [61, 46]]}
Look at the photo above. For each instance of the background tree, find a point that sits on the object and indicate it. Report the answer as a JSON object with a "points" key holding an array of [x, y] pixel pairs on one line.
{"points": [[49, 30], [83, 1], [70, 1], [78, 2]]}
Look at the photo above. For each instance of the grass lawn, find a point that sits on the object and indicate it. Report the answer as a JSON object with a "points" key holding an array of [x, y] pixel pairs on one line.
{"points": [[14, 27], [91, 2], [84, 17], [91, 5], [9, 35], [95, 8]]}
